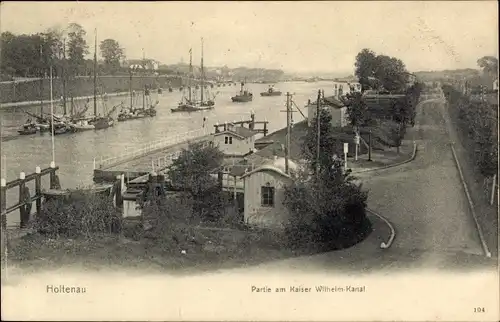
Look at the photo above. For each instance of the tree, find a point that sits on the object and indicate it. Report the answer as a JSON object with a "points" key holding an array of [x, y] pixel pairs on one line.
{"points": [[329, 143], [112, 54], [327, 210], [357, 110], [77, 47], [489, 64], [192, 170], [391, 72], [374, 71], [365, 67]]}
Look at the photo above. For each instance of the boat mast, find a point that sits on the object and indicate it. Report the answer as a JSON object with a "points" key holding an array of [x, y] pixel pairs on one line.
{"points": [[95, 72], [63, 72], [130, 87], [144, 71], [42, 72], [190, 71], [202, 72]]}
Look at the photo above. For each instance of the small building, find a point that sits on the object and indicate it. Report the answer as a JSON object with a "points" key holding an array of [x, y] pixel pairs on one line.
{"points": [[235, 141], [334, 106], [264, 194]]}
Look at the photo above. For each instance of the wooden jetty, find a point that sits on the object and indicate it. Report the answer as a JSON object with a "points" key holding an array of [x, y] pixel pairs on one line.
{"points": [[156, 156]]}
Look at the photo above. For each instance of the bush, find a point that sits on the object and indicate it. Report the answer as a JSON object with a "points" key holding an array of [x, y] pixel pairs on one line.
{"points": [[327, 212], [480, 122], [81, 214]]}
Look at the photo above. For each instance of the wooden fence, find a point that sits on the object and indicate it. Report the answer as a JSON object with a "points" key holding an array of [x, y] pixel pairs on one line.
{"points": [[25, 199]]}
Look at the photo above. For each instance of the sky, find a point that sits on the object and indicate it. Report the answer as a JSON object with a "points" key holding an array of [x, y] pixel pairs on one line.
{"points": [[293, 36]]}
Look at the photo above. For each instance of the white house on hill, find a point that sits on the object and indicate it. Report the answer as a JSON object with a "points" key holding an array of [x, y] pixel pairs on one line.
{"points": [[235, 141], [264, 193]]}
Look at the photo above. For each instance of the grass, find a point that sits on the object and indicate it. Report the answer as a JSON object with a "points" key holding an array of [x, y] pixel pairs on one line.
{"points": [[208, 249]]}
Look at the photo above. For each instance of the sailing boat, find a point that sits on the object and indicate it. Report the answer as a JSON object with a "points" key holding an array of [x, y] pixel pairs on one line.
{"points": [[136, 113], [243, 96], [208, 102], [99, 122], [190, 104]]}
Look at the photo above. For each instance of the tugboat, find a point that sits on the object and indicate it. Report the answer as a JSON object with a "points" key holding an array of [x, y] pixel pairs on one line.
{"points": [[271, 92], [243, 96]]}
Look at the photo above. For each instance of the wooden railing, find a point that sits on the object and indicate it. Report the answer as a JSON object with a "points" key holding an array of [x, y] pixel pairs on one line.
{"points": [[25, 198]]}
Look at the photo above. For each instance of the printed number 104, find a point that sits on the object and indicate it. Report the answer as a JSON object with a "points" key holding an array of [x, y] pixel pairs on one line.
{"points": [[479, 310]]}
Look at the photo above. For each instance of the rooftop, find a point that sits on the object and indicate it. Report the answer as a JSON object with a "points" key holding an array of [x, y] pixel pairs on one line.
{"points": [[239, 131]]}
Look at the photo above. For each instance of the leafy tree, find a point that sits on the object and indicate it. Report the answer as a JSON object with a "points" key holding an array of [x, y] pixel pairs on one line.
{"points": [[391, 72], [112, 54], [77, 47], [192, 170], [374, 71], [326, 210], [329, 143], [357, 110], [489, 64], [365, 67]]}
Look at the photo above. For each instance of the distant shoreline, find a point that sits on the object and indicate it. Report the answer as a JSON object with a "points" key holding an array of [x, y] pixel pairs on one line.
{"points": [[47, 102]]}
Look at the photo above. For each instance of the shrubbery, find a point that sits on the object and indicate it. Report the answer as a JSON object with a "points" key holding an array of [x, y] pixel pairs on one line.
{"points": [[480, 122], [81, 214], [328, 211], [326, 206]]}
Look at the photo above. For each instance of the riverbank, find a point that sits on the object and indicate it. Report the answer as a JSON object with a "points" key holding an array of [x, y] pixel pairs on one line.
{"points": [[34, 90], [47, 102]]}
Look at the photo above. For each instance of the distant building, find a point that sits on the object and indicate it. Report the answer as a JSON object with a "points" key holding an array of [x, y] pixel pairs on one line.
{"points": [[334, 106]]}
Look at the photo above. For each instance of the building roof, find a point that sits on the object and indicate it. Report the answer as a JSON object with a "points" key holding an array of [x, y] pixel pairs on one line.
{"points": [[239, 131], [276, 165]]}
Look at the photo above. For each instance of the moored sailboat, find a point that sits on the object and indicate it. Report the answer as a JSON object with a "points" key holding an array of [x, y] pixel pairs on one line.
{"points": [[190, 103], [99, 122]]}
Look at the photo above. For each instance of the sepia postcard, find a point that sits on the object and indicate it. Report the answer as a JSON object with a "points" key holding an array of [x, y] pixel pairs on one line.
{"points": [[249, 161]]}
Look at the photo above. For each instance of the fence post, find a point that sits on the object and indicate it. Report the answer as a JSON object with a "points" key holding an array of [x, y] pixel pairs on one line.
{"points": [[118, 197], [38, 190], [94, 163], [24, 216]]}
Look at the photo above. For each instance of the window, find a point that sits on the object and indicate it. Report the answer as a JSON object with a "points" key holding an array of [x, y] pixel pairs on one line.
{"points": [[228, 140], [267, 195]]}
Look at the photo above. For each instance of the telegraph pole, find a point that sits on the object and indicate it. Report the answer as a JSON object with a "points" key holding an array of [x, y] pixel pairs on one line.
{"points": [[288, 141], [318, 106], [287, 145]]}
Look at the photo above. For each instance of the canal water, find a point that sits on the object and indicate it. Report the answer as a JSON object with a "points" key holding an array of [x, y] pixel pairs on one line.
{"points": [[74, 153]]}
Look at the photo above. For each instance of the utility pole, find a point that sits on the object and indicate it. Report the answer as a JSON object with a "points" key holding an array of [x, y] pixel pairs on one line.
{"points": [[370, 145], [95, 74], [318, 106], [287, 145], [288, 141]]}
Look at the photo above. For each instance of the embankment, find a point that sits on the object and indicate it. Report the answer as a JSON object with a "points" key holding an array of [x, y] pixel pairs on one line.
{"points": [[29, 90]]}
